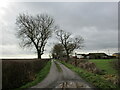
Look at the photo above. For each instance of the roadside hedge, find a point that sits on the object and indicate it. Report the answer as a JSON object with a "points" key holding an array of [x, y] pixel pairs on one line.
{"points": [[16, 73], [94, 79]]}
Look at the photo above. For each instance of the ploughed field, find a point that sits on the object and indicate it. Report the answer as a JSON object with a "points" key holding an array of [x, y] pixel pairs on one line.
{"points": [[17, 72]]}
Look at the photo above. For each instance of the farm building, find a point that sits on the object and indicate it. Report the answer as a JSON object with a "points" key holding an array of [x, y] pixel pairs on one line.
{"points": [[117, 55], [80, 55], [97, 56]]}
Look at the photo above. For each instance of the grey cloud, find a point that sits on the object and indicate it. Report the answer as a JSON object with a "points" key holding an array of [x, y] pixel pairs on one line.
{"points": [[96, 22]]}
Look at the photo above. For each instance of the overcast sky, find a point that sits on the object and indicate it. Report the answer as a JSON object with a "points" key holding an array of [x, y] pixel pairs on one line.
{"points": [[95, 22]]}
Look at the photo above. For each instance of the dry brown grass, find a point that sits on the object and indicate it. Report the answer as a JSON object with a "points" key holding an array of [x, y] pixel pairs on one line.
{"points": [[89, 66]]}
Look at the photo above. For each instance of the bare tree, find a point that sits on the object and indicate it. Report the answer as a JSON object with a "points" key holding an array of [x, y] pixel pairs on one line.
{"points": [[35, 31], [69, 43]]}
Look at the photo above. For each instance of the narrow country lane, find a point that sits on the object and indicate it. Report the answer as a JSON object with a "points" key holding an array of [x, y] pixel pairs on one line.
{"points": [[64, 79], [53, 76]]}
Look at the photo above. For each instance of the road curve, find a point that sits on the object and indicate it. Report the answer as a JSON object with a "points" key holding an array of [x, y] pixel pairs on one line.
{"points": [[55, 78]]}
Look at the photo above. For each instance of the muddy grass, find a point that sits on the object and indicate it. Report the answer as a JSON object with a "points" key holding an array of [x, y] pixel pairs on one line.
{"points": [[58, 67]]}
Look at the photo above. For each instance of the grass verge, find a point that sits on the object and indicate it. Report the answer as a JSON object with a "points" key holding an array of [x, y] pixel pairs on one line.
{"points": [[94, 79], [58, 67], [39, 77], [105, 64]]}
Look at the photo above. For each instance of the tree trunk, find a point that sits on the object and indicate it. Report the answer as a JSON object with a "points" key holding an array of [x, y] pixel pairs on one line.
{"points": [[67, 53], [68, 57], [76, 62], [39, 55]]}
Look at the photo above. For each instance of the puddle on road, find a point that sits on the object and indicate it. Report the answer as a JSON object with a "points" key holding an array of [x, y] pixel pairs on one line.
{"points": [[71, 84]]}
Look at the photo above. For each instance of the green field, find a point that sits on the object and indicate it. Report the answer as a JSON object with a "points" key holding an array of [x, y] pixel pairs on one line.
{"points": [[104, 64]]}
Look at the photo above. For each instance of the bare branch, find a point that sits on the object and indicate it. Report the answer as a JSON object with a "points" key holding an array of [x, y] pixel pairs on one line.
{"points": [[35, 30], [69, 44]]}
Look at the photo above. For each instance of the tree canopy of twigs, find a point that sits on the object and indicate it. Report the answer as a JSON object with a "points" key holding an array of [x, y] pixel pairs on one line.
{"points": [[68, 42], [35, 30]]}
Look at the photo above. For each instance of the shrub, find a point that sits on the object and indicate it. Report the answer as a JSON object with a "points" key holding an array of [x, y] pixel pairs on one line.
{"points": [[89, 66], [18, 72]]}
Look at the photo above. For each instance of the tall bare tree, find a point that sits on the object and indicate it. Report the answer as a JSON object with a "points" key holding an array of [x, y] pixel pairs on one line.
{"points": [[69, 43], [35, 30]]}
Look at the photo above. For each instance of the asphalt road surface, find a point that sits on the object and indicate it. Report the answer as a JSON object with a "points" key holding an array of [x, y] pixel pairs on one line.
{"points": [[64, 79]]}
